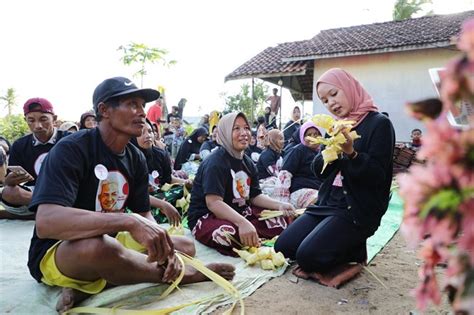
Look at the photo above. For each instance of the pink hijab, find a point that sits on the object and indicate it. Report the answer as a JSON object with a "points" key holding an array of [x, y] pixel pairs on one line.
{"points": [[361, 102], [306, 126]]}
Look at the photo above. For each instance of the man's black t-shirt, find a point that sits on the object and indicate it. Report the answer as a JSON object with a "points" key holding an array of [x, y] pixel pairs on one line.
{"points": [[70, 177], [220, 174], [29, 156]]}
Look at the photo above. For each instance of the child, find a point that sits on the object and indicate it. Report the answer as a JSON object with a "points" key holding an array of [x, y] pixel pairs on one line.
{"points": [[415, 139]]}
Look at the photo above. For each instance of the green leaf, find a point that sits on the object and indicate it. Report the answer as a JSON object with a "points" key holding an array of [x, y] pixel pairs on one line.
{"points": [[445, 200]]}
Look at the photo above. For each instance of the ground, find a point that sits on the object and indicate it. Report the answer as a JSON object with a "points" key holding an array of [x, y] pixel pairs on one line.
{"points": [[396, 266]]}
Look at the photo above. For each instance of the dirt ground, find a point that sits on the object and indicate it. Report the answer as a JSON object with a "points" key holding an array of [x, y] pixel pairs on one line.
{"points": [[396, 266]]}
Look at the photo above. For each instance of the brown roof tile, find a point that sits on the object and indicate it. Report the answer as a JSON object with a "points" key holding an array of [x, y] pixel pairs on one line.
{"points": [[289, 58], [394, 35]]}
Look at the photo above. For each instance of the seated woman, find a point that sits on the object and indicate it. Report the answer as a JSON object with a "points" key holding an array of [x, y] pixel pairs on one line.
{"points": [[355, 191], [189, 149], [304, 184], [226, 198], [267, 162], [159, 169], [293, 124], [253, 151], [209, 146], [294, 140]]}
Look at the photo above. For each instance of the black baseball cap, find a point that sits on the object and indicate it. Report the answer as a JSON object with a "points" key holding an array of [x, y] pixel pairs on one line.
{"points": [[120, 86]]}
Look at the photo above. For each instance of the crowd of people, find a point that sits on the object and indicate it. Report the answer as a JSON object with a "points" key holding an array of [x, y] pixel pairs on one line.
{"points": [[94, 185]]}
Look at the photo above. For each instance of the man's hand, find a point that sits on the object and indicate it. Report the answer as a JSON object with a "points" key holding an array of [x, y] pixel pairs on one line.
{"points": [[171, 213], [173, 269], [153, 237], [248, 234], [17, 176]]}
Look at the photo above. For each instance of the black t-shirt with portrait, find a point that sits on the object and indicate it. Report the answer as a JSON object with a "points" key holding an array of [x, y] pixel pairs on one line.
{"points": [[70, 177], [29, 156], [220, 174]]}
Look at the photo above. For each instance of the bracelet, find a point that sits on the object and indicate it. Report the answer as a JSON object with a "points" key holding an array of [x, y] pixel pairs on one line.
{"points": [[353, 155]]}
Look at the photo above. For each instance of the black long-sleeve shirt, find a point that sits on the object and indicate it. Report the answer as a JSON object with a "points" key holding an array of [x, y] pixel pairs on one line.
{"points": [[366, 179]]}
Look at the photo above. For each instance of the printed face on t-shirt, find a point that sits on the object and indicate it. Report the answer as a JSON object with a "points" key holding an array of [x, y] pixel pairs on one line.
{"points": [[240, 185], [112, 193]]}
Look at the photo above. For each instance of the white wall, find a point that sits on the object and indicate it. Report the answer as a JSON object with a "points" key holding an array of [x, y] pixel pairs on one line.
{"points": [[392, 79]]}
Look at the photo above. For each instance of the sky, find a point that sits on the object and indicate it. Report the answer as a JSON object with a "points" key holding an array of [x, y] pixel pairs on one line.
{"points": [[61, 50]]}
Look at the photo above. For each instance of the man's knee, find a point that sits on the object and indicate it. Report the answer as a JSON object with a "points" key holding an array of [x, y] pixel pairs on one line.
{"points": [[9, 193], [184, 244], [101, 248]]}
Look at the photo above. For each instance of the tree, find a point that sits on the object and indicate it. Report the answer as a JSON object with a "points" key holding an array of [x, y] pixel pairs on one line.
{"points": [[404, 9], [142, 54], [13, 127], [243, 101], [9, 99]]}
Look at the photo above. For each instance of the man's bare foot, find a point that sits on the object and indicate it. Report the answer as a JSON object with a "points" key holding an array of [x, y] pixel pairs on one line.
{"points": [[227, 271], [69, 297]]}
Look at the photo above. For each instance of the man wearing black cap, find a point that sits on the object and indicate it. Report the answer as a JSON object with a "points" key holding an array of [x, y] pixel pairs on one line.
{"points": [[73, 244], [26, 157]]}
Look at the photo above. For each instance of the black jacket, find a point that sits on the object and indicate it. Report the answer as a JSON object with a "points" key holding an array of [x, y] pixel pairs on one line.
{"points": [[366, 179]]}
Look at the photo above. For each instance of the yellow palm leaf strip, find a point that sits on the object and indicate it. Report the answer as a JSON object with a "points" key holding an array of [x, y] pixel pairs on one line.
{"points": [[269, 214], [219, 280], [233, 239]]}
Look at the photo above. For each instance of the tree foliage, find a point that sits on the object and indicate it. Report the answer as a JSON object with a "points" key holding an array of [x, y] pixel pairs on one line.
{"points": [[13, 127], [243, 100], [141, 54], [9, 100], [404, 9]]}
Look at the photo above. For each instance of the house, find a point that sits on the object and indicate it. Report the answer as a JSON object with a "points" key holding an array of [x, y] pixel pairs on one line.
{"points": [[391, 59]]}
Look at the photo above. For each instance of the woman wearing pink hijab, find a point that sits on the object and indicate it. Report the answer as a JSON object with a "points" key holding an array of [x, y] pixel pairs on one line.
{"points": [[355, 190]]}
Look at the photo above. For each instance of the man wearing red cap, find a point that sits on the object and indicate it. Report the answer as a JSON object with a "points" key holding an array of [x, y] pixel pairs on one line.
{"points": [[26, 156]]}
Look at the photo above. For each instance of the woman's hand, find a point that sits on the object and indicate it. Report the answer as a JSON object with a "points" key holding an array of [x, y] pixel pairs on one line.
{"points": [[348, 146], [171, 213], [188, 183], [248, 234], [288, 210]]}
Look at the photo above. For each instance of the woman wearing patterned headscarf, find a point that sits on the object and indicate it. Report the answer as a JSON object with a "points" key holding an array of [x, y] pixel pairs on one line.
{"points": [[266, 164], [304, 184], [226, 198], [355, 191]]}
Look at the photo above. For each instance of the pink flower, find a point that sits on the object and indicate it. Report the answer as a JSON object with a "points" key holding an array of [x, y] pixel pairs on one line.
{"points": [[442, 231], [466, 240], [428, 289]]}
